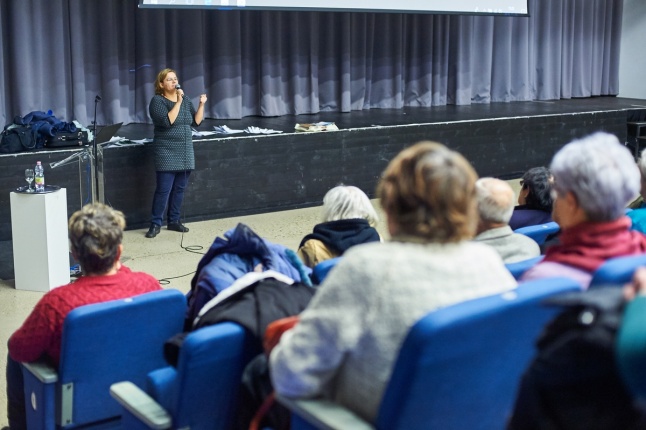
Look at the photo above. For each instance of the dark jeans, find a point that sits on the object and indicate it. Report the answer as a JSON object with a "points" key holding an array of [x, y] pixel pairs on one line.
{"points": [[169, 193], [15, 396]]}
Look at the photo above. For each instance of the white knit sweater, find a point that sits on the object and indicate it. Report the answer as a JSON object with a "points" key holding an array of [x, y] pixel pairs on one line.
{"points": [[347, 340]]}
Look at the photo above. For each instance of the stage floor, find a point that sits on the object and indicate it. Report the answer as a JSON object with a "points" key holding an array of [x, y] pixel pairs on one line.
{"points": [[413, 115]]}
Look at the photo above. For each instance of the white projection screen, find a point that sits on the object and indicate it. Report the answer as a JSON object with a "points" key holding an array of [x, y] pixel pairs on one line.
{"points": [[485, 7]]}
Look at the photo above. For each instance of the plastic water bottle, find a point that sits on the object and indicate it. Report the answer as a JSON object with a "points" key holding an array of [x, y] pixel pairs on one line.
{"points": [[39, 177]]}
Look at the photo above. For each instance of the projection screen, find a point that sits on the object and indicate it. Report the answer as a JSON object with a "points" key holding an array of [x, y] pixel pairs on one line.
{"points": [[485, 7]]}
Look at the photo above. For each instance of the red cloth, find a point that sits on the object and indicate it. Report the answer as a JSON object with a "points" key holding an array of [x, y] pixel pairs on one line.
{"points": [[589, 244], [42, 331]]}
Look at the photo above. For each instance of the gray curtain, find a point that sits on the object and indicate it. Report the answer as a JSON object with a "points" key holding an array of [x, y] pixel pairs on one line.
{"points": [[60, 54]]}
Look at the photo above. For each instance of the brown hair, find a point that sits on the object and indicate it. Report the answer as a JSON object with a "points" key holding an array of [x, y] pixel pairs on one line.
{"points": [[428, 191], [95, 233], [159, 83]]}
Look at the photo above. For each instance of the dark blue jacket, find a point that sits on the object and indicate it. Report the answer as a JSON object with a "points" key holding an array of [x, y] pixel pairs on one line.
{"points": [[44, 124], [229, 258]]}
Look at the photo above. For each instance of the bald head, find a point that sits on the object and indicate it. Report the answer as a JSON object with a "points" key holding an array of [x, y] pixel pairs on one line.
{"points": [[496, 202]]}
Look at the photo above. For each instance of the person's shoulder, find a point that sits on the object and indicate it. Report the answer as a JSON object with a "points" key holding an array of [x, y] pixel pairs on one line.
{"points": [[478, 248], [157, 100], [548, 269], [523, 239], [143, 277], [483, 256]]}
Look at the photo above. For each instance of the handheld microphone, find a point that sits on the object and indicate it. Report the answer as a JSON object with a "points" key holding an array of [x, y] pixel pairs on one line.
{"points": [[179, 87]]}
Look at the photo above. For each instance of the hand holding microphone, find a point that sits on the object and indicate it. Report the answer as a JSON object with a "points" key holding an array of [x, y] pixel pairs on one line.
{"points": [[179, 90]]}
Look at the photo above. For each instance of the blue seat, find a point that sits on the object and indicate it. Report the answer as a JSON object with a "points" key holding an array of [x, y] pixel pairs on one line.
{"points": [[458, 368], [102, 343], [630, 347], [201, 393], [518, 268], [617, 271], [539, 232], [321, 270]]}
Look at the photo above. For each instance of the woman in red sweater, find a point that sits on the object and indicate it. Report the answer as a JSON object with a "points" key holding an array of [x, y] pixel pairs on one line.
{"points": [[95, 234]]}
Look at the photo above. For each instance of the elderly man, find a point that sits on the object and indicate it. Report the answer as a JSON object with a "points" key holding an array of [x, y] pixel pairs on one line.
{"points": [[594, 178], [495, 206]]}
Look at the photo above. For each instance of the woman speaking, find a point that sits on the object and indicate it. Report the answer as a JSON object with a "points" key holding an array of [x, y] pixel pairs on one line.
{"points": [[173, 115]]}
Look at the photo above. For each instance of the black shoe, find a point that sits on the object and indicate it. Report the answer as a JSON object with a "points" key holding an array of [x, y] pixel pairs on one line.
{"points": [[153, 231], [177, 226]]}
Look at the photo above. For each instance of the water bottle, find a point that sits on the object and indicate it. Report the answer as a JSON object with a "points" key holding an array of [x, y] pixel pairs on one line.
{"points": [[39, 177]]}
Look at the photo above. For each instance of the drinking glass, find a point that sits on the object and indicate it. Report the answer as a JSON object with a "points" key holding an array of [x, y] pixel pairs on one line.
{"points": [[29, 177]]}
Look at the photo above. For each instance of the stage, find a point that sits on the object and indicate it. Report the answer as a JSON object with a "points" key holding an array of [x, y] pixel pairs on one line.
{"points": [[244, 174]]}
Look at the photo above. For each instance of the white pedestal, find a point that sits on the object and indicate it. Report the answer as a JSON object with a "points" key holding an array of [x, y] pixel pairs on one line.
{"points": [[40, 244]]}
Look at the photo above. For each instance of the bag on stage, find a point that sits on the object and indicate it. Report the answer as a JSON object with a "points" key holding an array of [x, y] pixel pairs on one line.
{"points": [[64, 139], [17, 139]]}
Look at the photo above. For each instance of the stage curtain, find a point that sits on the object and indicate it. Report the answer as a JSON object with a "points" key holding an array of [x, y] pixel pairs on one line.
{"points": [[60, 54]]}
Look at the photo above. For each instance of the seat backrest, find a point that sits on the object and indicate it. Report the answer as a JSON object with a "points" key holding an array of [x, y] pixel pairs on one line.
{"points": [[104, 343], [209, 371], [539, 232], [617, 271], [518, 268], [321, 270], [459, 366]]}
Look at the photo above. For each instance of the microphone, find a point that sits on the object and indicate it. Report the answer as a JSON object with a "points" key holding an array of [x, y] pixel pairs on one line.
{"points": [[97, 98], [179, 87]]}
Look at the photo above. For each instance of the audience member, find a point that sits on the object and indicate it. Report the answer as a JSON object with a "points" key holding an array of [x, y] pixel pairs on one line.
{"points": [[348, 219], [534, 200], [574, 381], [638, 214], [347, 339], [95, 234], [594, 178], [495, 205]]}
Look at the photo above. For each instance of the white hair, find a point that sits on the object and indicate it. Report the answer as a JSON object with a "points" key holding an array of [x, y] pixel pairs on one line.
{"points": [[348, 202], [600, 172], [496, 200]]}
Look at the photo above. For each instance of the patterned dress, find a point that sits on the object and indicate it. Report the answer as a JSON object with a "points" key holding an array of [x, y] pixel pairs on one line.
{"points": [[173, 144]]}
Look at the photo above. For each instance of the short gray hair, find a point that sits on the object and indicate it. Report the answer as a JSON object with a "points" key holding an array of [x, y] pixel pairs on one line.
{"points": [[496, 200], [348, 202], [600, 172]]}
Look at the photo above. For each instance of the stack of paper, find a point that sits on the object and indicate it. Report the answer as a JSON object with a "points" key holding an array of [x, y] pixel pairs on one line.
{"points": [[223, 129], [319, 126], [196, 133], [258, 130]]}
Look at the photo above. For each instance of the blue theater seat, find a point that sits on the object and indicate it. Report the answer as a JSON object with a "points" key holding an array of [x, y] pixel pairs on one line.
{"points": [[520, 267], [102, 343], [617, 271], [201, 393], [540, 232], [321, 270], [458, 368]]}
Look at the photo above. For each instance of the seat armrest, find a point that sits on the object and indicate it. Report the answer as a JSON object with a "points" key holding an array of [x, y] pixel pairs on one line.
{"points": [[43, 371], [324, 414], [141, 405]]}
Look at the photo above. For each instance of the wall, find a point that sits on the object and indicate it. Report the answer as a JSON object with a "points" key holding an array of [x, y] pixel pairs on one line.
{"points": [[632, 64]]}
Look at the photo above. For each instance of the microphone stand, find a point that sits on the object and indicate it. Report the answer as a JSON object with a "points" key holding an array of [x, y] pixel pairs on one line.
{"points": [[95, 155]]}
